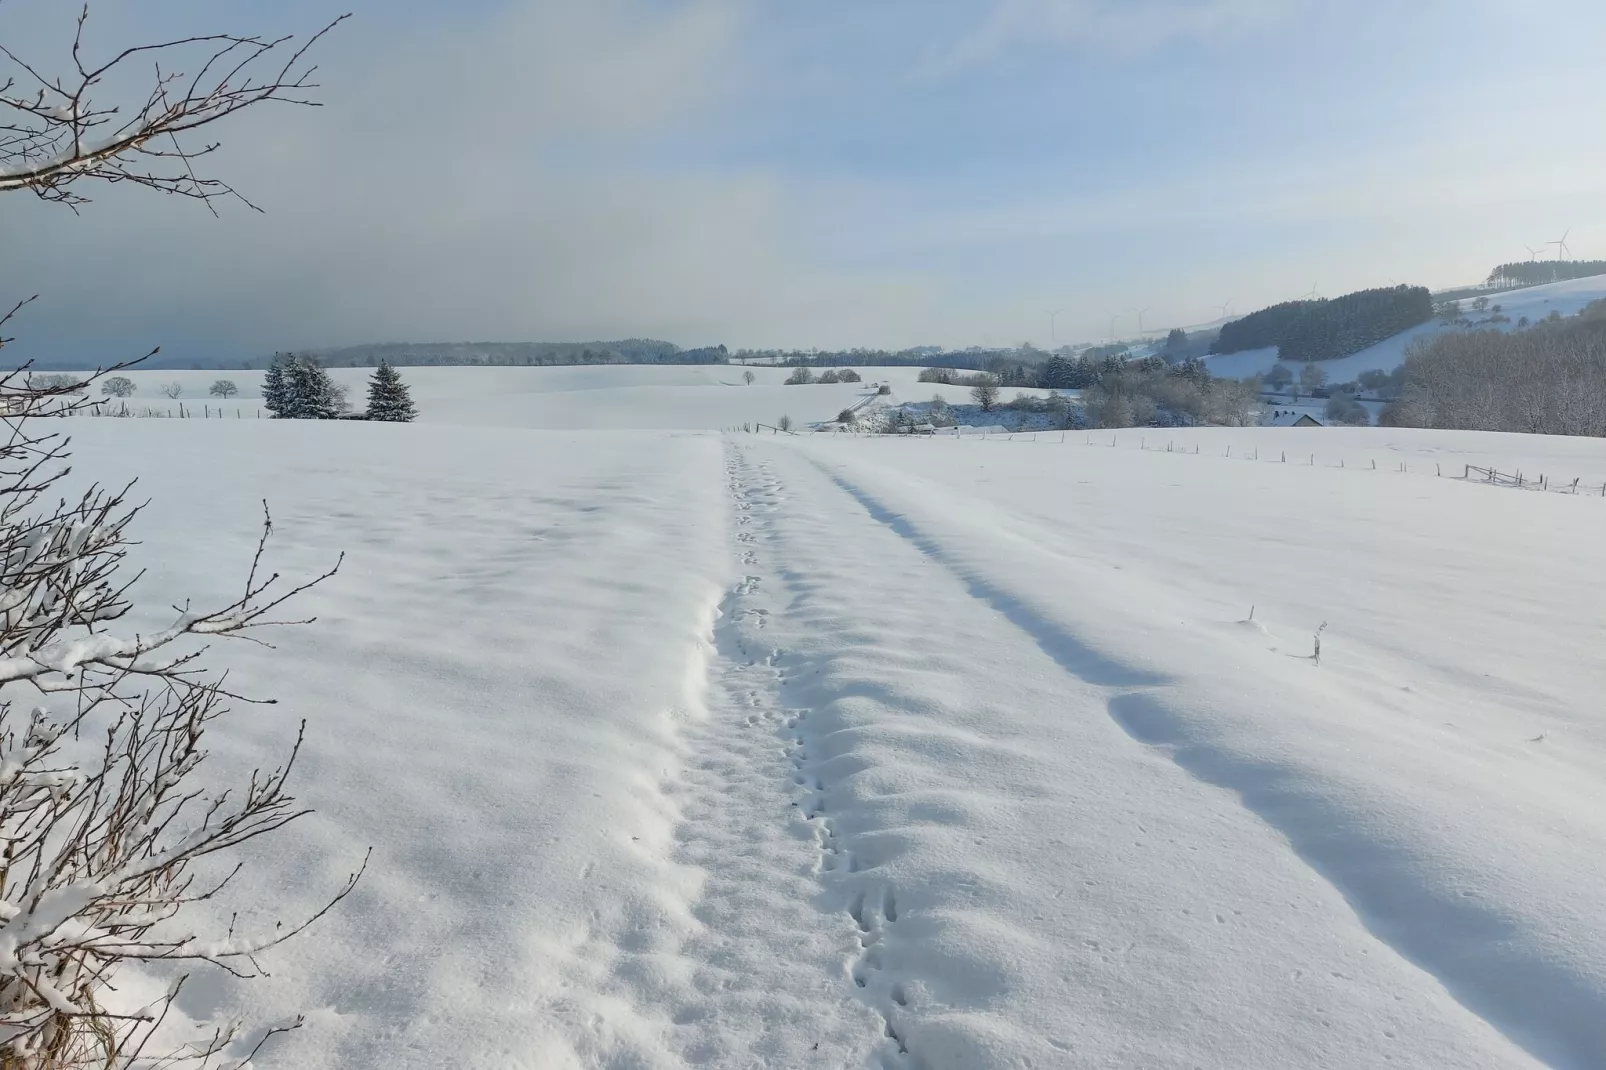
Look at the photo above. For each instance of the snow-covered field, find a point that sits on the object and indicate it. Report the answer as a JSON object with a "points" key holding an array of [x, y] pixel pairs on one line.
{"points": [[686, 749], [1535, 302], [610, 397]]}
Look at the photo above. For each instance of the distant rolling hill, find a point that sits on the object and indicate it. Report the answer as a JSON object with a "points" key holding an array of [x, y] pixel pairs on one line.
{"points": [[1534, 302]]}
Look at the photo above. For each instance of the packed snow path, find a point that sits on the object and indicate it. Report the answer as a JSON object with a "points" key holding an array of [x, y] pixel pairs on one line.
{"points": [[694, 750], [1035, 886]]}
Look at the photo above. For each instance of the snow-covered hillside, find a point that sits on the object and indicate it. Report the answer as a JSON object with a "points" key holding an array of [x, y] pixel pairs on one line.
{"points": [[687, 749], [1534, 302]]}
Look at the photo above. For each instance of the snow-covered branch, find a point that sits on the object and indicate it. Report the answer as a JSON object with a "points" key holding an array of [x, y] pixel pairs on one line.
{"points": [[99, 845], [55, 130]]}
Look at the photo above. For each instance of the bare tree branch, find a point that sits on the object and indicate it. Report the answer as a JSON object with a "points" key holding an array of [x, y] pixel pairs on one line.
{"points": [[54, 132], [98, 844]]}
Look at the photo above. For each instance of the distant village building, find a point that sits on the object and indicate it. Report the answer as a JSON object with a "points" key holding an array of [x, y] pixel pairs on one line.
{"points": [[1291, 418]]}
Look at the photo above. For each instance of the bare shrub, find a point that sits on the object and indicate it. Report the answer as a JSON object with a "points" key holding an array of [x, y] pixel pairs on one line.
{"points": [[101, 840], [104, 818]]}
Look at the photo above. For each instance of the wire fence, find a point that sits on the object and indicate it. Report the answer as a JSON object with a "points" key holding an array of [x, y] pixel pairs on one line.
{"points": [[1470, 473], [181, 411]]}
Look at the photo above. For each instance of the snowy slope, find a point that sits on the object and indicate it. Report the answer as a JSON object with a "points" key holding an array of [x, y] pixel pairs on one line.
{"points": [[1535, 302], [680, 749]]}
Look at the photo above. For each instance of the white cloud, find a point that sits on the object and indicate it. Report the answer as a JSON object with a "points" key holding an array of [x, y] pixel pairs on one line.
{"points": [[1119, 26], [475, 180]]}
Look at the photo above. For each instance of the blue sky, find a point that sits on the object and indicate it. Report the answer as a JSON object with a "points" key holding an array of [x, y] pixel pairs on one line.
{"points": [[895, 173]]}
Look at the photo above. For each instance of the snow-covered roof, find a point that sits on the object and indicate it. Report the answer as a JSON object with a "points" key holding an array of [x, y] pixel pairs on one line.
{"points": [[1292, 418]]}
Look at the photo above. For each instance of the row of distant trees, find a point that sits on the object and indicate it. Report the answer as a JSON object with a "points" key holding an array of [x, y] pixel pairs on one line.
{"points": [[294, 387], [1539, 272], [1120, 393], [1150, 392], [803, 376], [1059, 372], [519, 354], [1322, 329], [121, 386], [1549, 379]]}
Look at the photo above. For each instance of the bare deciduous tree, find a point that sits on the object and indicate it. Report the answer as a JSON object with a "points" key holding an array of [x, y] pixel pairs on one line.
{"points": [[748, 377], [985, 392], [223, 388], [1550, 379], [172, 390], [102, 841], [1311, 377], [56, 133]]}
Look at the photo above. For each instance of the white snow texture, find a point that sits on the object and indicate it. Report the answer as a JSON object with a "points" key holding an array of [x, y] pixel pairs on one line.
{"points": [[680, 748]]}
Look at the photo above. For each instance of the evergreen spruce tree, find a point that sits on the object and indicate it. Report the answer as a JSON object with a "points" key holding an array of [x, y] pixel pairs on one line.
{"points": [[309, 393], [388, 398], [275, 390]]}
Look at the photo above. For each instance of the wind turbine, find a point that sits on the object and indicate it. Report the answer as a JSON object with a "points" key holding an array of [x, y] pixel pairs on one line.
{"points": [[1225, 307], [1141, 313], [1052, 316], [1113, 317], [1313, 295], [1562, 252], [1533, 254]]}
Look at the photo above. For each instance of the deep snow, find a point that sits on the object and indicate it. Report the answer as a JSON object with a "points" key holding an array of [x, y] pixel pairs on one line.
{"points": [[688, 749]]}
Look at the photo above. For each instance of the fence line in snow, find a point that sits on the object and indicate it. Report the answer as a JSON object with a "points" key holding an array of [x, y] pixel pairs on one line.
{"points": [[1471, 473], [104, 410]]}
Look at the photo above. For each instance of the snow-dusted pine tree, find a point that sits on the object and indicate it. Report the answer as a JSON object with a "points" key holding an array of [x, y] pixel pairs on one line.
{"points": [[275, 393], [388, 398], [309, 392]]}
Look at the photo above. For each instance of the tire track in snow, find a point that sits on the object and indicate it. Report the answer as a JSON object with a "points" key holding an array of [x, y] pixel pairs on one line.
{"points": [[1469, 947]]}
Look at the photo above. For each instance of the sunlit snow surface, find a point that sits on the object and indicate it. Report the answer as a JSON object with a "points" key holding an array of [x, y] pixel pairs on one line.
{"points": [[686, 749]]}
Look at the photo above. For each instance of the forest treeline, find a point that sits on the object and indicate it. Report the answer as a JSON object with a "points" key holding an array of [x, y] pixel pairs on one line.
{"points": [[1547, 379], [1539, 272], [1323, 329]]}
